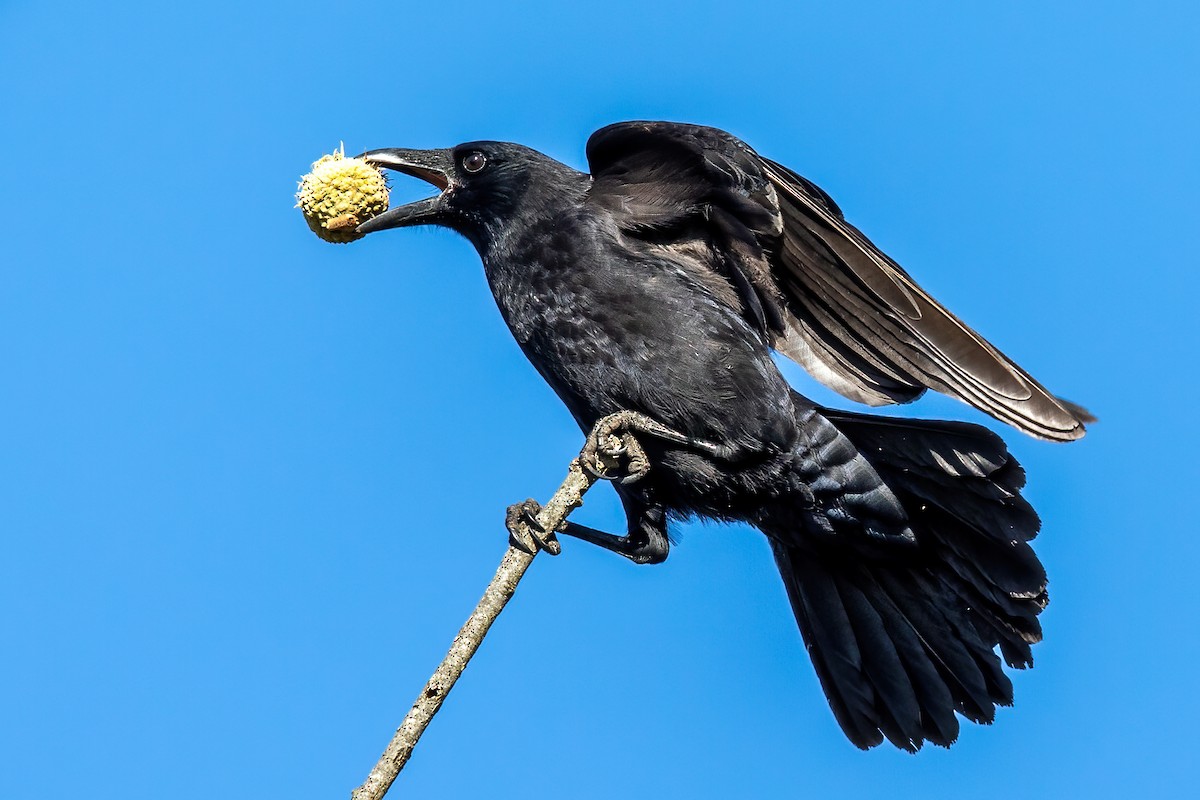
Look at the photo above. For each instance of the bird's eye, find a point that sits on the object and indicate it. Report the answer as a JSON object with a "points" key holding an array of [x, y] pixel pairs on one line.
{"points": [[474, 161]]}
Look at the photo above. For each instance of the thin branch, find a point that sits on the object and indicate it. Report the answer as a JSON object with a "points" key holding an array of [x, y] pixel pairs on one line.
{"points": [[512, 567]]}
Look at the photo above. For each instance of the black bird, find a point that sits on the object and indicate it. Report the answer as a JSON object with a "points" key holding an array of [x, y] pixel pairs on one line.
{"points": [[658, 285]]}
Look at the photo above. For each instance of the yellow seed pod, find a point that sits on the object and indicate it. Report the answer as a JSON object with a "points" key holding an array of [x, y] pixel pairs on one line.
{"points": [[339, 195]]}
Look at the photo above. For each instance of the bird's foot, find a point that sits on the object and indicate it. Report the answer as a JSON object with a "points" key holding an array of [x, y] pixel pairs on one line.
{"points": [[612, 452], [525, 532]]}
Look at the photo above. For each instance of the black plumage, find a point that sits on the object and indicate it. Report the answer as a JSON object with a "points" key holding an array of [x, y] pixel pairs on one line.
{"points": [[659, 284]]}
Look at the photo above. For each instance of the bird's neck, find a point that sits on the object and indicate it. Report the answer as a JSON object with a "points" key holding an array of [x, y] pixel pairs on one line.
{"points": [[531, 263], [542, 203]]}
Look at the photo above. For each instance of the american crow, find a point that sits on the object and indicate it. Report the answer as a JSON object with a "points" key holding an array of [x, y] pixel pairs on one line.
{"points": [[657, 286]]}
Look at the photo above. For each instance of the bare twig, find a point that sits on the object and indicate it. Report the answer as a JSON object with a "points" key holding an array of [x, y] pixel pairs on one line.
{"points": [[568, 497]]}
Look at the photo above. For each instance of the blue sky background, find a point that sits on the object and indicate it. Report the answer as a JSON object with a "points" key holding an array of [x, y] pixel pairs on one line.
{"points": [[228, 450]]}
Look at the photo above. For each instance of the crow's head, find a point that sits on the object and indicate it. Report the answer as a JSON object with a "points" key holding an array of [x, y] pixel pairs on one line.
{"points": [[486, 187]]}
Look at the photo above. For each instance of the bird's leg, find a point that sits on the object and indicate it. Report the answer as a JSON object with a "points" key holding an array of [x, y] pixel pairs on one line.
{"points": [[646, 542], [612, 441], [611, 452]]}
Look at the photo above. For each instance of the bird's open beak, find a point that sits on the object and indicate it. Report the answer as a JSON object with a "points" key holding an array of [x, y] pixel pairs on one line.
{"points": [[434, 166]]}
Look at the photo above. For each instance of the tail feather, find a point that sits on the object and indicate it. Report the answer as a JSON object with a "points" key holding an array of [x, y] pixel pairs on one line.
{"points": [[937, 460], [957, 654], [829, 637], [900, 720], [964, 487], [902, 640], [934, 699]]}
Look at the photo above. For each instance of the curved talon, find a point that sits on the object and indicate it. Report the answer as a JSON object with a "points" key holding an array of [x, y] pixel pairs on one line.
{"points": [[637, 464], [612, 452], [599, 474], [593, 458], [525, 532], [589, 460], [520, 535], [529, 511]]}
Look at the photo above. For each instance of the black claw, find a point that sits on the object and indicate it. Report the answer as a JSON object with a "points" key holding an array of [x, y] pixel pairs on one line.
{"points": [[529, 513], [525, 532], [520, 533], [528, 545], [587, 464]]}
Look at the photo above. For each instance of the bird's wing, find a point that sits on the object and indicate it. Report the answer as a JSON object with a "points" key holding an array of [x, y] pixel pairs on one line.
{"points": [[700, 196], [823, 294], [860, 317]]}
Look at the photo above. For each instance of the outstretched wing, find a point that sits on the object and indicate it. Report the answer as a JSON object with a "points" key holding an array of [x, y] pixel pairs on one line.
{"points": [[861, 317], [822, 292]]}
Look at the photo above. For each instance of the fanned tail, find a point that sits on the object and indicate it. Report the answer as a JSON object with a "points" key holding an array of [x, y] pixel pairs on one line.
{"points": [[905, 636]]}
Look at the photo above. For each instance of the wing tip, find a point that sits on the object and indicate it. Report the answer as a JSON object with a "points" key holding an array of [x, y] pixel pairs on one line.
{"points": [[1080, 413], [1077, 420]]}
